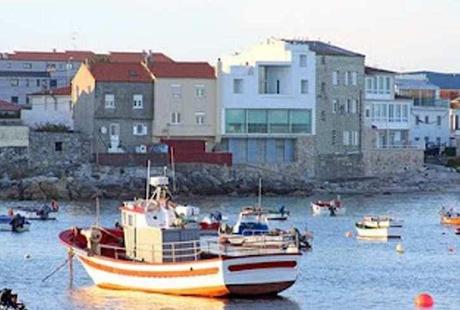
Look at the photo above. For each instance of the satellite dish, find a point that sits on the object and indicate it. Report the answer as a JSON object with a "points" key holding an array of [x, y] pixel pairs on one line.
{"points": [[103, 130]]}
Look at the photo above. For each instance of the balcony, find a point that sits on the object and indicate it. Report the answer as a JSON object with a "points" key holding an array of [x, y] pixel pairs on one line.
{"points": [[431, 102], [274, 80]]}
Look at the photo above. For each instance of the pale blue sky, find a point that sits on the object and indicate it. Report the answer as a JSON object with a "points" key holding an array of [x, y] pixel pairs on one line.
{"points": [[394, 34]]}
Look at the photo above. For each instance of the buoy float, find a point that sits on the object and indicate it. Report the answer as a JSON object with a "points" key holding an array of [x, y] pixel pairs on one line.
{"points": [[424, 300], [348, 234], [451, 249], [27, 256], [400, 248]]}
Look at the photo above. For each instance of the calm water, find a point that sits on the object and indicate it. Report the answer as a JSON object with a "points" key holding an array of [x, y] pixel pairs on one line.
{"points": [[340, 272]]}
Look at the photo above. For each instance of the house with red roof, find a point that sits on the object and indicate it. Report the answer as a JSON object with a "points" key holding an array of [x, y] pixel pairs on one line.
{"points": [[51, 106], [185, 101], [113, 104], [10, 113]]}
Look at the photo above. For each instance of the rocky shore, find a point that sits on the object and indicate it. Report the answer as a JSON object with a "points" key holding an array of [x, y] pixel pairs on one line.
{"points": [[85, 181]]}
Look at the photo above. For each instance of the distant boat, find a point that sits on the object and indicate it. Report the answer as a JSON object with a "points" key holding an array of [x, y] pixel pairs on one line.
{"points": [[40, 213], [381, 221], [14, 223], [450, 217], [372, 229], [278, 215], [332, 207]]}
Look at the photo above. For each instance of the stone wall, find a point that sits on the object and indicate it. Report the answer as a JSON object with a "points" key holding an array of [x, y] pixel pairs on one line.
{"points": [[339, 166], [13, 160], [57, 150], [392, 161]]}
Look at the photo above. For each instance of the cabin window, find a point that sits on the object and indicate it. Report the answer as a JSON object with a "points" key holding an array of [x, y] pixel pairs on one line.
{"points": [[130, 220]]}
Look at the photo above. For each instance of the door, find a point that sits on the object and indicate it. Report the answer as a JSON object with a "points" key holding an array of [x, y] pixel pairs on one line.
{"points": [[114, 132]]}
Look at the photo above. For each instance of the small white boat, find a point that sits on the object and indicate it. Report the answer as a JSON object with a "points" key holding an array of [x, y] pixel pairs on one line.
{"points": [[40, 213], [14, 223], [332, 207], [381, 221], [371, 232], [278, 215], [187, 212]]}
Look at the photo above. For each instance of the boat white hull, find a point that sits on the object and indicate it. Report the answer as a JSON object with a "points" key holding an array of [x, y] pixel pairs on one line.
{"points": [[8, 227], [319, 210], [249, 275], [382, 232]]}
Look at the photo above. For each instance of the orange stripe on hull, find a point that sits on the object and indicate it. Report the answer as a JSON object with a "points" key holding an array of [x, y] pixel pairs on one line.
{"points": [[450, 220], [150, 274], [214, 291]]}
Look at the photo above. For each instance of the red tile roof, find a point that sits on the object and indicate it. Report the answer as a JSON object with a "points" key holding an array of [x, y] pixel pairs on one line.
{"points": [[61, 91], [121, 72], [51, 56], [137, 57], [199, 70], [8, 106]]}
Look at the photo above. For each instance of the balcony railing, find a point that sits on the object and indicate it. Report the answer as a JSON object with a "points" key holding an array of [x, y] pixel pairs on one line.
{"points": [[431, 102]]}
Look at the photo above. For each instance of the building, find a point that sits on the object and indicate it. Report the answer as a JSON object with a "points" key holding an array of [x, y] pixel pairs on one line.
{"points": [[24, 72], [339, 89], [10, 113], [267, 104], [448, 83], [113, 105], [185, 101], [52, 106], [387, 114], [430, 116]]}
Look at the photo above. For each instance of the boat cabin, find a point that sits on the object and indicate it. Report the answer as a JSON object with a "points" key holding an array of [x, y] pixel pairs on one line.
{"points": [[251, 221], [152, 231]]}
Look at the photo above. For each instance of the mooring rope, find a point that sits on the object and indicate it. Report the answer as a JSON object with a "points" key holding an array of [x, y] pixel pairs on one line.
{"points": [[70, 257]]}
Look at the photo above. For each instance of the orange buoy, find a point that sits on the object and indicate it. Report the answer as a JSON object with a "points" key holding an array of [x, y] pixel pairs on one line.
{"points": [[348, 234], [424, 300]]}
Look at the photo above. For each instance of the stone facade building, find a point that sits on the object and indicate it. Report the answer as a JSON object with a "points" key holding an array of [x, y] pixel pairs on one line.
{"points": [[339, 92], [113, 105]]}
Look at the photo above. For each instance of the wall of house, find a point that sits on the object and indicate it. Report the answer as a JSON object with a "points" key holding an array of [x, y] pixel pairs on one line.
{"points": [[188, 104], [124, 114], [82, 97], [432, 130], [392, 161], [49, 109], [14, 136]]}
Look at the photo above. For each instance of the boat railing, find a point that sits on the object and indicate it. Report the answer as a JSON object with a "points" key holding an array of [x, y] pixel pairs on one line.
{"points": [[250, 248]]}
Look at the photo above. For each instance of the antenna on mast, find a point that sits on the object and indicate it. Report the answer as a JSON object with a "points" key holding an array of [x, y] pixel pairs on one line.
{"points": [[147, 183]]}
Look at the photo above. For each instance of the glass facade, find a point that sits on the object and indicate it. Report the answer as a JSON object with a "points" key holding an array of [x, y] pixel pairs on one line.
{"points": [[260, 121]]}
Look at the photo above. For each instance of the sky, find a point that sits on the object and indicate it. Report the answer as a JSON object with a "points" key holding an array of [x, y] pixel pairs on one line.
{"points": [[400, 35]]}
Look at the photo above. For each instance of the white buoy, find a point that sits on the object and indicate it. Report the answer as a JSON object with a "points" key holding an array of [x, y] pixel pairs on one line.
{"points": [[27, 256], [400, 248]]}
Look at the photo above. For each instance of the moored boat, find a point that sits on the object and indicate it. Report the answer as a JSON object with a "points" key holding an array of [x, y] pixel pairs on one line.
{"points": [[328, 207], [373, 231], [381, 221], [42, 213], [450, 217], [155, 252], [278, 215], [14, 223]]}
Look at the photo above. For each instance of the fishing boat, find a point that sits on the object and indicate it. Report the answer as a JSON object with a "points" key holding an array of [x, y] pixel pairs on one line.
{"points": [[155, 252], [450, 217], [42, 213], [187, 212], [9, 300], [252, 230], [14, 223], [278, 215], [211, 223], [328, 207], [381, 221], [374, 231]]}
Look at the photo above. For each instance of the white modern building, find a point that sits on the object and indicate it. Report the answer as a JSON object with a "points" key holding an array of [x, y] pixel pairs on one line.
{"points": [[267, 101], [386, 113], [52, 106], [430, 115]]}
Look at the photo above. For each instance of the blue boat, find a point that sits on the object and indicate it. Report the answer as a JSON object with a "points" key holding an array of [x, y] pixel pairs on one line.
{"points": [[14, 223]]}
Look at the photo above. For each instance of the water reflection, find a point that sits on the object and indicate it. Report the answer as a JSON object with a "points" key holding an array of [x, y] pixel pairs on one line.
{"points": [[94, 297]]}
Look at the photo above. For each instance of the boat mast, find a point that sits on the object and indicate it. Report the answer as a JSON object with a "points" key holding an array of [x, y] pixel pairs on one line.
{"points": [[260, 193], [97, 212], [147, 185]]}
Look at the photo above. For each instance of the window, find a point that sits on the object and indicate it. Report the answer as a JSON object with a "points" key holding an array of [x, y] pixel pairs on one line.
{"points": [[387, 84], [368, 113], [200, 91], [335, 105], [355, 138], [347, 78], [334, 137], [346, 138], [369, 85], [176, 90], [27, 65], [417, 119], [38, 83], [51, 67], [139, 129], [354, 106], [278, 121], [335, 78], [138, 101], [304, 86], [303, 60], [175, 118], [109, 100], [58, 146], [279, 150], [427, 119], [14, 99], [14, 82], [354, 78], [235, 121], [405, 112], [348, 108], [300, 121], [323, 87], [53, 83], [200, 118], [27, 83], [257, 121], [391, 112], [380, 87], [237, 86], [438, 120]]}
